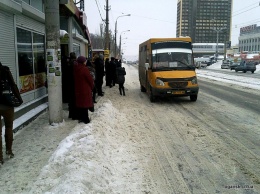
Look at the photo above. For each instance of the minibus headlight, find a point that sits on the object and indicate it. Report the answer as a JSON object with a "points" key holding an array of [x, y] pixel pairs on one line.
{"points": [[159, 82], [194, 81]]}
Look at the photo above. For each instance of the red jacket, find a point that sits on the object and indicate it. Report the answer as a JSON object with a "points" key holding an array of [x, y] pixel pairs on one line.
{"points": [[84, 84]]}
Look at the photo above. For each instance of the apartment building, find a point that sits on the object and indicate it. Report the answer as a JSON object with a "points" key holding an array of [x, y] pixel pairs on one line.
{"points": [[205, 21]]}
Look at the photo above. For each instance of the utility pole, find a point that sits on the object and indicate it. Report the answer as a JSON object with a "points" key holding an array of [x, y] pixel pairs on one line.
{"points": [[52, 26], [107, 27], [120, 47], [225, 44], [218, 31], [217, 46]]}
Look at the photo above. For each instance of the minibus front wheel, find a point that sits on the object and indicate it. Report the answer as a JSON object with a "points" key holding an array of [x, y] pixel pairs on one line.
{"points": [[193, 98], [152, 97]]}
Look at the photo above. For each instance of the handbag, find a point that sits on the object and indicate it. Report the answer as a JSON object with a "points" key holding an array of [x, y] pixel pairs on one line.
{"points": [[8, 97]]}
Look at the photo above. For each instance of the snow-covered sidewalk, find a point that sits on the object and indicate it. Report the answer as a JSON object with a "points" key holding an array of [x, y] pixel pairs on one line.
{"points": [[76, 158]]}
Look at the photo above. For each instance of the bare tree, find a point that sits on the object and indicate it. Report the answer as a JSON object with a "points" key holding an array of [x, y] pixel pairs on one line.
{"points": [[98, 40]]}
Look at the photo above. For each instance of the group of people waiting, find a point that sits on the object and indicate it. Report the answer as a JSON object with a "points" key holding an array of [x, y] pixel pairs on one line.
{"points": [[86, 81], [115, 74]]}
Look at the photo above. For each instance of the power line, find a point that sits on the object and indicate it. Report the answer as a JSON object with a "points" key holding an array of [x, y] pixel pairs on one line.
{"points": [[99, 11], [244, 11], [246, 6], [247, 9], [249, 22]]}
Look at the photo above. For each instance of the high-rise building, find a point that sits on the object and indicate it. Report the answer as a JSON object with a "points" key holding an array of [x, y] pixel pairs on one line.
{"points": [[205, 21]]}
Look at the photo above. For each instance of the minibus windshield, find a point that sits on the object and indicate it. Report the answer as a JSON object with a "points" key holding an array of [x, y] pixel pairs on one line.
{"points": [[172, 59]]}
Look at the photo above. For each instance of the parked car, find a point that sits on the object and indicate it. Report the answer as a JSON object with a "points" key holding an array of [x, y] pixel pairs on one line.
{"points": [[233, 65], [246, 66], [203, 61], [199, 65], [225, 64]]}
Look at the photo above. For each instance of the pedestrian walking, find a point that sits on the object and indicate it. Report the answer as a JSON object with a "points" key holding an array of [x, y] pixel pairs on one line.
{"points": [[113, 67], [7, 111], [84, 85], [121, 79], [100, 71]]}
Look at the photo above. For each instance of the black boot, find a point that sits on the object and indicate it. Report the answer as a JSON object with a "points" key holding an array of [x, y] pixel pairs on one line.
{"points": [[9, 143], [123, 91], [91, 109], [120, 91]]}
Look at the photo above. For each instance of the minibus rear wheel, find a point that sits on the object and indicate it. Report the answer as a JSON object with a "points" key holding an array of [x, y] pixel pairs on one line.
{"points": [[193, 98]]}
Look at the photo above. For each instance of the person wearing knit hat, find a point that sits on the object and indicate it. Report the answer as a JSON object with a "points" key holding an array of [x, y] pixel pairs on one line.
{"points": [[84, 85], [81, 59]]}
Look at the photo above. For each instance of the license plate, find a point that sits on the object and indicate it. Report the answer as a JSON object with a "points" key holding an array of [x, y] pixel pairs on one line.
{"points": [[178, 92]]}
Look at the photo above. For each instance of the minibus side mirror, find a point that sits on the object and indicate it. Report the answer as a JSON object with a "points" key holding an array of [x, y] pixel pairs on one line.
{"points": [[146, 66]]}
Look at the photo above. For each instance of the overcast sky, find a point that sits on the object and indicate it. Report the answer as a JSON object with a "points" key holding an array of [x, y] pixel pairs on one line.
{"points": [[153, 18]]}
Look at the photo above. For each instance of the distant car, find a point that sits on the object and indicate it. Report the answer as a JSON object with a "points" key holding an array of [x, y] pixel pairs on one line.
{"points": [[233, 66], [248, 66], [225, 64]]}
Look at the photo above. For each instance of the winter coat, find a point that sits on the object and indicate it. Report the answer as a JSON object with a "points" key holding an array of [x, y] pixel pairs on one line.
{"points": [[113, 69], [120, 71], [107, 66], [99, 66], [5, 74], [84, 85]]}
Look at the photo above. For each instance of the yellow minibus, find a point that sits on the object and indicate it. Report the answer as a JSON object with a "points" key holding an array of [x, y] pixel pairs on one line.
{"points": [[166, 68]]}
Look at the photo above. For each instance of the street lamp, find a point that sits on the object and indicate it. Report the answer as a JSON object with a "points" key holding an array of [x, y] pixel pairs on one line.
{"points": [[123, 51], [116, 28], [218, 31], [120, 48], [121, 41]]}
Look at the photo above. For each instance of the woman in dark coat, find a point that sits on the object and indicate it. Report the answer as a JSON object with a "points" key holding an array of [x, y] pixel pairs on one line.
{"points": [[84, 85], [100, 71], [7, 112], [113, 67]]}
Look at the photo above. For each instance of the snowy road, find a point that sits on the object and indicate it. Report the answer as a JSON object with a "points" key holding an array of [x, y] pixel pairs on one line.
{"points": [[133, 146], [202, 147]]}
